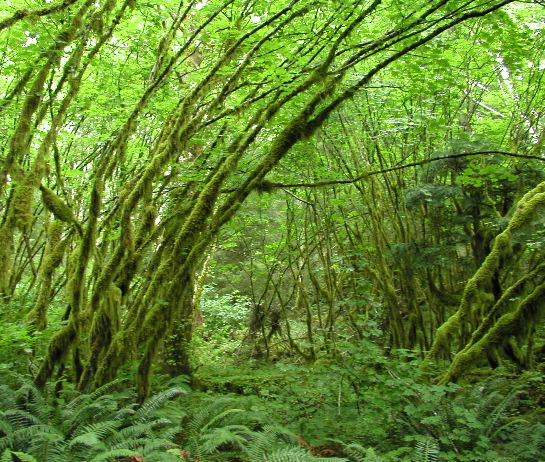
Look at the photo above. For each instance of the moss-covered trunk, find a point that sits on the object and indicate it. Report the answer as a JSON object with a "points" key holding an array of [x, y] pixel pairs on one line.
{"points": [[486, 320]]}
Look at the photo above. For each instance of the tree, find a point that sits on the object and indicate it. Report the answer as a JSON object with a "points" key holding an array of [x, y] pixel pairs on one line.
{"points": [[121, 166]]}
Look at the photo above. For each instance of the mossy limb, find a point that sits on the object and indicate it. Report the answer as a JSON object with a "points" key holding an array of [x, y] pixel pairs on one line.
{"points": [[56, 206], [513, 325], [476, 302]]}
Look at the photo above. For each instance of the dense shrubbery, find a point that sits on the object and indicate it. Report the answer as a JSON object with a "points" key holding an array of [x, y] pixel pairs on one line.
{"points": [[359, 406], [367, 400], [363, 407], [106, 425]]}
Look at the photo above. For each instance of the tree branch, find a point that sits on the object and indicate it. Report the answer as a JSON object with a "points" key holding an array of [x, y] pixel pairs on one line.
{"points": [[269, 185], [24, 13]]}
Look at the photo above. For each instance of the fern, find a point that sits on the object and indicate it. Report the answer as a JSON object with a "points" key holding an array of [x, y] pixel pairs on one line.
{"points": [[358, 453], [267, 440], [92, 397], [90, 426], [114, 454], [47, 444], [223, 425], [5, 427], [427, 450], [100, 429], [525, 441], [143, 430], [203, 421], [233, 435], [94, 411], [212, 414], [93, 435], [145, 412], [24, 439], [9, 456], [7, 400], [20, 418], [492, 407], [296, 454], [29, 398]]}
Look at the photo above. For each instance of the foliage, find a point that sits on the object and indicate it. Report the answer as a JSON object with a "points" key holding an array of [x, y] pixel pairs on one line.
{"points": [[17, 346], [230, 429], [294, 201], [105, 425], [134, 133], [98, 426], [223, 314], [386, 403]]}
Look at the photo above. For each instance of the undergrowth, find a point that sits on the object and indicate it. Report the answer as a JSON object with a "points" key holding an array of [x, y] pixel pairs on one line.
{"points": [[366, 400], [362, 407]]}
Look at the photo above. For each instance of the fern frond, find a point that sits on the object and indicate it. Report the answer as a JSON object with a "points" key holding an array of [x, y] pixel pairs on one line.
{"points": [[160, 423], [7, 400], [499, 412], [90, 440], [148, 429], [143, 444], [125, 413], [130, 443], [94, 411], [289, 454], [154, 445], [60, 452], [20, 418], [31, 399], [86, 398], [155, 402], [427, 450], [100, 429], [267, 440], [21, 456], [22, 438], [204, 415], [298, 454], [114, 454], [5, 426], [509, 426], [136, 431], [218, 418], [170, 432], [6, 456], [46, 445], [357, 452], [372, 456], [233, 435]]}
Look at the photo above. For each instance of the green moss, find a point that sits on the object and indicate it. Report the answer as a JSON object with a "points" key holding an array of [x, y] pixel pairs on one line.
{"points": [[106, 324], [478, 300], [57, 350], [22, 207], [6, 247], [54, 252], [56, 206], [514, 325], [147, 225], [127, 234], [119, 350]]}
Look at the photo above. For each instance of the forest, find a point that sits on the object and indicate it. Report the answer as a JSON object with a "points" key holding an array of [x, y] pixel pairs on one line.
{"points": [[272, 230]]}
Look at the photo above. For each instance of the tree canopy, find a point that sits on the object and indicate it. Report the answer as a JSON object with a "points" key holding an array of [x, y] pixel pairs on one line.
{"points": [[378, 163]]}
